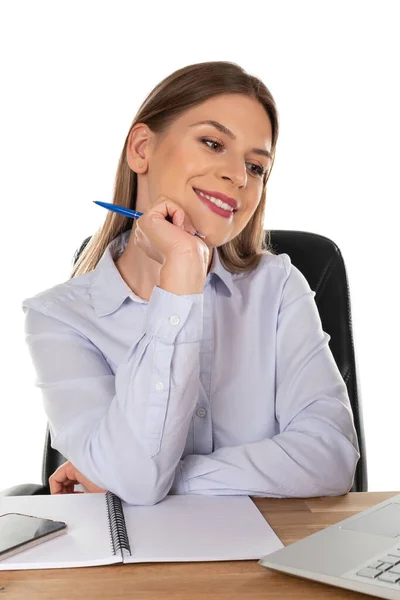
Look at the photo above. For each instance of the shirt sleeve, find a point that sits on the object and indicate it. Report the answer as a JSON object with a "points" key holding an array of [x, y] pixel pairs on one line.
{"points": [[125, 432], [316, 450]]}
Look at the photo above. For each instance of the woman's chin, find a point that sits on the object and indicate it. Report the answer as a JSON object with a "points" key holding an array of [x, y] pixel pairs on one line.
{"points": [[214, 240]]}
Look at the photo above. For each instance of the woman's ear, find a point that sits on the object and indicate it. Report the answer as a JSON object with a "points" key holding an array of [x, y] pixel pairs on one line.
{"points": [[138, 148]]}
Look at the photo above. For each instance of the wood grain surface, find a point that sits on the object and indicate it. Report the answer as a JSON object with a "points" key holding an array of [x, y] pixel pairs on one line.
{"points": [[291, 519]]}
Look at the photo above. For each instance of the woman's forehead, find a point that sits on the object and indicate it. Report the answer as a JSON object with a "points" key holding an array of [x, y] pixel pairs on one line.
{"points": [[243, 116]]}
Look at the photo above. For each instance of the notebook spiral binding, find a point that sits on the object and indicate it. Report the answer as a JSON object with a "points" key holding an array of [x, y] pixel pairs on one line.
{"points": [[116, 521]]}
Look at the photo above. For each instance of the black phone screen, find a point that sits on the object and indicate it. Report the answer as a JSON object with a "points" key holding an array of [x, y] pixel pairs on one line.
{"points": [[16, 530]]}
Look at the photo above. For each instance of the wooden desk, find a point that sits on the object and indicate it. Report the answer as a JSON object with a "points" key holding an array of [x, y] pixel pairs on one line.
{"points": [[291, 519]]}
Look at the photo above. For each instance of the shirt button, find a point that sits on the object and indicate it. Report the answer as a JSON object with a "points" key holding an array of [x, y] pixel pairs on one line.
{"points": [[201, 412], [159, 385], [174, 320]]}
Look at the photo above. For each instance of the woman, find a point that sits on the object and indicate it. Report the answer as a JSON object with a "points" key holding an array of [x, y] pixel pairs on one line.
{"points": [[173, 363]]}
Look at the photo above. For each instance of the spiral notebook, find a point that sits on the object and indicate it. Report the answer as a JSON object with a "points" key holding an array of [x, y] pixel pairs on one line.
{"points": [[104, 530]]}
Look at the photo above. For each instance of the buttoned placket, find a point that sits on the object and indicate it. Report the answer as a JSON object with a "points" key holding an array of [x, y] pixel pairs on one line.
{"points": [[174, 320], [202, 424]]}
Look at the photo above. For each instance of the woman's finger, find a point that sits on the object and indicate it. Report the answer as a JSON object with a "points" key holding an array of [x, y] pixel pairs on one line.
{"points": [[66, 477], [60, 487], [160, 239], [61, 478]]}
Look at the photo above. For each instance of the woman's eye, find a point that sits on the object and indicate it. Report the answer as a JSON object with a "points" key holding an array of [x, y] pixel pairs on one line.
{"points": [[207, 140], [259, 171]]}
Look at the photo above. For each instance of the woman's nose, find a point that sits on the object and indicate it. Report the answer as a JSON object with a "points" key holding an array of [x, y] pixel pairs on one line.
{"points": [[235, 171]]}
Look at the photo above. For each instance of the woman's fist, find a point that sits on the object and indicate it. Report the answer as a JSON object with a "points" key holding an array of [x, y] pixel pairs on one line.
{"points": [[66, 477], [161, 239]]}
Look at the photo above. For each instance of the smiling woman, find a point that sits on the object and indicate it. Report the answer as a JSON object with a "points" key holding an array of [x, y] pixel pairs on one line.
{"points": [[178, 123], [179, 165], [173, 363]]}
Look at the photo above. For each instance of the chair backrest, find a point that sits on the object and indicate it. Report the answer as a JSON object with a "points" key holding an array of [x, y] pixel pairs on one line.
{"points": [[321, 262]]}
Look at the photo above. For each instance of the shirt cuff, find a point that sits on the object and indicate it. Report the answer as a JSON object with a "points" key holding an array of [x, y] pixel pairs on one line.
{"points": [[171, 317]]}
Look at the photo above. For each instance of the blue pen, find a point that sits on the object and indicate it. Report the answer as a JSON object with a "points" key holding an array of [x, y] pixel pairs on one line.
{"points": [[128, 212]]}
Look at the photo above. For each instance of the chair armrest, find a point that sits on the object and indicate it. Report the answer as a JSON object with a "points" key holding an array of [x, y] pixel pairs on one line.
{"points": [[25, 489]]}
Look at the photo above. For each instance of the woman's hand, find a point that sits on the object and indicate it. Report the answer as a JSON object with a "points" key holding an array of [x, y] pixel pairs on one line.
{"points": [[184, 257], [66, 476], [160, 239]]}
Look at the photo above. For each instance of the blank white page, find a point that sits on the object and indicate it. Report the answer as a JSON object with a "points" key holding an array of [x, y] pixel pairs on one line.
{"points": [[189, 527], [86, 543]]}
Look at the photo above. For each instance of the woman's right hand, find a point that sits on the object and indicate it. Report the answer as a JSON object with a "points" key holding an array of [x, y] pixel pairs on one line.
{"points": [[184, 257], [160, 239]]}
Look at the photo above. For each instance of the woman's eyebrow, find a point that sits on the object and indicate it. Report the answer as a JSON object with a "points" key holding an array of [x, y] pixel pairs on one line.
{"points": [[229, 133]]}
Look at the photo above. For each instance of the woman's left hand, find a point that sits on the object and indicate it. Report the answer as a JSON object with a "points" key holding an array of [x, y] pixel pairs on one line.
{"points": [[66, 477]]}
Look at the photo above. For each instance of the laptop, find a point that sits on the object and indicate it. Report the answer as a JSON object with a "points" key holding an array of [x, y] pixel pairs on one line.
{"points": [[361, 553]]}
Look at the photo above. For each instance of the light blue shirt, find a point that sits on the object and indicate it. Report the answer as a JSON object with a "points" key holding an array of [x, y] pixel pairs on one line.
{"points": [[232, 391]]}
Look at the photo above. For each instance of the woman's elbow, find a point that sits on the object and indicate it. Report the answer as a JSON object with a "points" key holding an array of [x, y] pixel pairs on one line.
{"points": [[140, 497], [338, 478], [145, 490], [140, 484]]}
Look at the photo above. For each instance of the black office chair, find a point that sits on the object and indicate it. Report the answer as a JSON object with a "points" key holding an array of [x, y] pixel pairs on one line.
{"points": [[320, 261]]}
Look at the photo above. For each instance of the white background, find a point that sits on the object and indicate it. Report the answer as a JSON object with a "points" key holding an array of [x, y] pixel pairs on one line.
{"points": [[73, 75]]}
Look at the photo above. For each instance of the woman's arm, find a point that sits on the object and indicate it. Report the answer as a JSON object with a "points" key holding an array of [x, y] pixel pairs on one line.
{"points": [[126, 433], [316, 451]]}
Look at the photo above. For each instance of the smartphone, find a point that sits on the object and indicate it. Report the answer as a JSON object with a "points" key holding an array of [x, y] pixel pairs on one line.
{"points": [[19, 532]]}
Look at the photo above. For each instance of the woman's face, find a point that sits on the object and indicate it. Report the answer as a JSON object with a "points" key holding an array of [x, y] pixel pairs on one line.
{"points": [[192, 156]]}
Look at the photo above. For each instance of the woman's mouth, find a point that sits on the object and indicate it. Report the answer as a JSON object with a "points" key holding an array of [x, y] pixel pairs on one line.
{"points": [[217, 206]]}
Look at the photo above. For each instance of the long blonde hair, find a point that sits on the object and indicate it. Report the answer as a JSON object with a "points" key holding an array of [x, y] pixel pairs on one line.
{"points": [[180, 91]]}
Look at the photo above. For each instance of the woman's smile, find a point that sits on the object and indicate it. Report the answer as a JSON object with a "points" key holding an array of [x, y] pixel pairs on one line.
{"points": [[216, 205]]}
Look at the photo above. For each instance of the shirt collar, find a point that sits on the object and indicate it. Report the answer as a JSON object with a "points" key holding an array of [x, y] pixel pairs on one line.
{"points": [[218, 271], [108, 290]]}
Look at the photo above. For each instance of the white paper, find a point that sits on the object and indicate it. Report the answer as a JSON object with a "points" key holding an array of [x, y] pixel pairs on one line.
{"points": [[198, 528], [179, 528]]}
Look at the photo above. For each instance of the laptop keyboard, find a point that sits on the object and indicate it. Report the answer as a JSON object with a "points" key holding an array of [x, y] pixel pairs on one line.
{"points": [[384, 570]]}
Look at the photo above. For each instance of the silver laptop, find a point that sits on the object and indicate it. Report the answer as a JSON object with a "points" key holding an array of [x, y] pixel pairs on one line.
{"points": [[361, 553]]}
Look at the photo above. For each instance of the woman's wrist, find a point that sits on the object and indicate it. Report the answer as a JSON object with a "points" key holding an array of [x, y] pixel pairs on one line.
{"points": [[183, 276]]}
